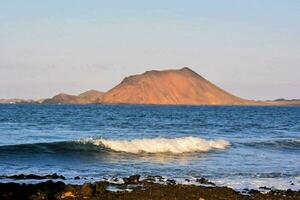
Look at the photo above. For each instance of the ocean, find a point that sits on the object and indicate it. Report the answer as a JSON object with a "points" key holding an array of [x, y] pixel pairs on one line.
{"points": [[236, 146]]}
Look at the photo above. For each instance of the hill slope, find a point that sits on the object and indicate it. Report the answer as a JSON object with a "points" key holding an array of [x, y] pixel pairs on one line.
{"points": [[92, 95], [182, 86], [88, 97]]}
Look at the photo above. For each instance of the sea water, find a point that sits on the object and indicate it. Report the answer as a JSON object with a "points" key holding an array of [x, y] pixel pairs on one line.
{"points": [[236, 146]]}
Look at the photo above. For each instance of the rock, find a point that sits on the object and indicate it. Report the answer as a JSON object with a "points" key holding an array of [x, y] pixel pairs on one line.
{"points": [[135, 179], [87, 190], [150, 179], [154, 178], [77, 178], [289, 192], [67, 195], [115, 179], [254, 191], [35, 177], [100, 188], [171, 182], [58, 190], [55, 176], [204, 181], [264, 188]]}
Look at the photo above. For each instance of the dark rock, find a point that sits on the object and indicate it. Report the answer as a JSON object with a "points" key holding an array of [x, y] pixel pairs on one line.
{"points": [[58, 190], [160, 178], [35, 177], [264, 188], [54, 176], [150, 179], [171, 182], [204, 181], [153, 178], [252, 191], [132, 179], [115, 179], [289, 192]]}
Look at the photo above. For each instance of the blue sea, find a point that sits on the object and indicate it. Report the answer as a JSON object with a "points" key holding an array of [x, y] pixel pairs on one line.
{"points": [[236, 146]]}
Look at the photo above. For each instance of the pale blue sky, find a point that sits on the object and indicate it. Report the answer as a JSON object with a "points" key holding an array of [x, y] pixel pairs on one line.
{"points": [[248, 47]]}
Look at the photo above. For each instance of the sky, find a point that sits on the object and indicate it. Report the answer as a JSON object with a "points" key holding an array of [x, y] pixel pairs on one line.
{"points": [[250, 48]]}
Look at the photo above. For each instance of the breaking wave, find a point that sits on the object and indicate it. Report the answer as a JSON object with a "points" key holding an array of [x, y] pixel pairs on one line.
{"points": [[160, 145]]}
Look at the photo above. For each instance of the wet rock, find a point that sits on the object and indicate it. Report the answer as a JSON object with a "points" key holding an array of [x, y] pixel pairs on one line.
{"points": [[171, 182], [135, 179], [146, 190], [160, 178], [264, 188], [289, 192], [205, 181], [150, 179], [77, 178], [252, 191], [34, 177], [115, 179], [155, 178], [55, 176]]}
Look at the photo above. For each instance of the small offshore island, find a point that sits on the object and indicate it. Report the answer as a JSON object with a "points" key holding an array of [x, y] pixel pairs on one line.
{"points": [[168, 87]]}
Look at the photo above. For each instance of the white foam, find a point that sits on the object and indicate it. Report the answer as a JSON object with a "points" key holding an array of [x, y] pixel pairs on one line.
{"points": [[161, 145]]}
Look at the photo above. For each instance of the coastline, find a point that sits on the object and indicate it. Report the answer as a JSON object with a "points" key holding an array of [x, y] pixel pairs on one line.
{"points": [[131, 188]]}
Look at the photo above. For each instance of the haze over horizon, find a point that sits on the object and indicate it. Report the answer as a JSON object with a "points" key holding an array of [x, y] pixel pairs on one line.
{"points": [[249, 48]]}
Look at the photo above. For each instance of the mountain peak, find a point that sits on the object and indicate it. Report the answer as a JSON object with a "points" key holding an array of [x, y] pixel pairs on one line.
{"points": [[186, 69], [179, 86]]}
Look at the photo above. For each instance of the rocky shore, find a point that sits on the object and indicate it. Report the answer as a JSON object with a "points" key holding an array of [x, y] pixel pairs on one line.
{"points": [[130, 188]]}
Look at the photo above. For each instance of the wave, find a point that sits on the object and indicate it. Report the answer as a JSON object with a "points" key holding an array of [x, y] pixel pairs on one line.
{"points": [[160, 145], [156, 145], [63, 147], [291, 143]]}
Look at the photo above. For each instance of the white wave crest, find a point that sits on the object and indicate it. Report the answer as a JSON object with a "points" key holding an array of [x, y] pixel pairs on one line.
{"points": [[161, 145]]}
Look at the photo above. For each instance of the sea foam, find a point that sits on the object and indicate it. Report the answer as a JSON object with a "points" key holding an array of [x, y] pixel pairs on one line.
{"points": [[161, 145]]}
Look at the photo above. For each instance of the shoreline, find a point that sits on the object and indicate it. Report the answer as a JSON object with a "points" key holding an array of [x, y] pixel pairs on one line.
{"points": [[53, 187]]}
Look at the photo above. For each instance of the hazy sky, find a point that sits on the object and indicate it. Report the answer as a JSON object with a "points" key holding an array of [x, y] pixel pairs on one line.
{"points": [[248, 47]]}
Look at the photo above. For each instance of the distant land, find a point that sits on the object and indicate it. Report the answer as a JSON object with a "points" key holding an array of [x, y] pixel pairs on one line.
{"points": [[168, 87], [183, 87], [88, 97]]}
